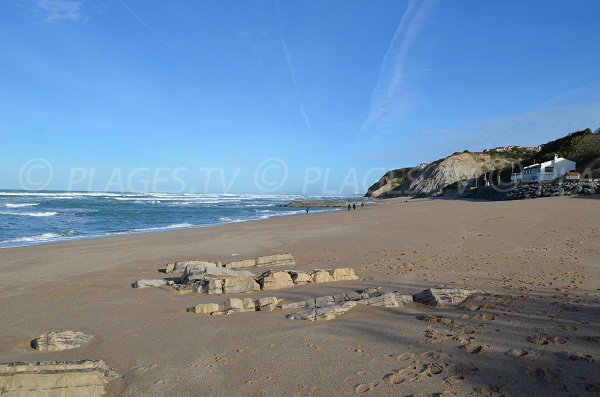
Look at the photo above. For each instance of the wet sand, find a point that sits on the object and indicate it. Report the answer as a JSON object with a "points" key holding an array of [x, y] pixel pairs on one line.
{"points": [[533, 331]]}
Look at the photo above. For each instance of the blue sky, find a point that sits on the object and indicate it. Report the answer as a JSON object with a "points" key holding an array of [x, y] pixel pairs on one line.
{"points": [[117, 93]]}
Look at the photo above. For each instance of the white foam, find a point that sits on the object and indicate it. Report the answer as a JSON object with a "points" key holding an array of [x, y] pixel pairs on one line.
{"points": [[33, 239], [46, 213], [19, 205], [152, 229]]}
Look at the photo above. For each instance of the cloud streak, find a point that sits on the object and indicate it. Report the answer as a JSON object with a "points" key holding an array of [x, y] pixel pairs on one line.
{"points": [[61, 10], [292, 71], [393, 93], [147, 26]]}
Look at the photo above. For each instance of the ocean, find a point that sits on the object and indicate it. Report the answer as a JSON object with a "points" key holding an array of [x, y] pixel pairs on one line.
{"points": [[41, 217]]}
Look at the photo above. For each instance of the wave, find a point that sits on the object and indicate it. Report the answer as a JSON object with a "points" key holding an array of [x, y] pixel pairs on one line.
{"points": [[46, 213], [152, 229], [44, 237], [19, 205]]}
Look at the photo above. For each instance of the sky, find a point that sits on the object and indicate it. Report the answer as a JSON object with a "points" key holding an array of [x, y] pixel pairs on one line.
{"points": [[300, 97]]}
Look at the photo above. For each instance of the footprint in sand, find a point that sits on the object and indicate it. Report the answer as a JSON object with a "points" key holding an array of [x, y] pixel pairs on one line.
{"points": [[473, 349], [414, 373], [551, 376], [465, 369], [405, 356], [575, 356], [539, 339], [453, 380], [362, 388], [593, 387], [517, 353]]}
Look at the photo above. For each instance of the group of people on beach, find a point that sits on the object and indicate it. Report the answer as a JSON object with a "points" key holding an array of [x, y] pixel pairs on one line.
{"points": [[353, 206], [350, 206]]}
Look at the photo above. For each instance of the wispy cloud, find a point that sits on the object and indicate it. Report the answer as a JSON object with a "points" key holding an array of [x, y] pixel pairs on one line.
{"points": [[147, 26], [292, 71], [246, 35], [61, 10], [394, 92]]}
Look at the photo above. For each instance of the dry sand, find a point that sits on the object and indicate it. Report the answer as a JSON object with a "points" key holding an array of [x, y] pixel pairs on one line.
{"points": [[536, 331]]}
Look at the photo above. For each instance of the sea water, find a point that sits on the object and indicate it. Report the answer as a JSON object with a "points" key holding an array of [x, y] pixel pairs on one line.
{"points": [[28, 218]]}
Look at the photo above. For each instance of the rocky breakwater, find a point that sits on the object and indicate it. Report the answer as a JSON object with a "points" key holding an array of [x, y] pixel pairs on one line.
{"points": [[537, 190], [317, 204]]}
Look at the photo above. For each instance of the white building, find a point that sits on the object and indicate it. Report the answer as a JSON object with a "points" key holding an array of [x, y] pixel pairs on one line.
{"points": [[546, 171]]}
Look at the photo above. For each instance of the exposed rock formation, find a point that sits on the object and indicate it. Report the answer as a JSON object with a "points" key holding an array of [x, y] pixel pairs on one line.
{"points": [[325, 312], [219, 280], [144, 283], [264, 261], [391, 299], [56, 341], [236, 305], [275, 280], [260, 261], [443, 296], [179, 266], [234, 285], [55, 378]]}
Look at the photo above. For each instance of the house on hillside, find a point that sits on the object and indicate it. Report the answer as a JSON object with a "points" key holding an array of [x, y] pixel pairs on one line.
{"points": [[544, 172]]}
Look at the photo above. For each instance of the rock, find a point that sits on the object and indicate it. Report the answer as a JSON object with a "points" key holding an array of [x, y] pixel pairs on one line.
{"points": [[249, 304], [234, 285], [143, 283], [300, 278], [181, 265], [275, 260], [213, 286], [55, 378], [268, 303], [193, 273], [323, 300], [327, 312], [234, 305], [56, 341], [297, 305], [205, 308], [443, 296], [344, 274], [241, 263], [321, 276], [390, 299], [169, 268], [275, 280]]}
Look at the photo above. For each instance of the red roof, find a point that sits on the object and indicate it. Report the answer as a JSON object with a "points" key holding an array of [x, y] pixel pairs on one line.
{"points": [[573, 173]]}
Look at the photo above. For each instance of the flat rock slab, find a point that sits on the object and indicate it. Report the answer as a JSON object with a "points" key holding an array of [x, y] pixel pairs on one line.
{"points": [[56, 341], [326, 312], [390, 299], [443, 296], [181, 265], [144, 283], [55, 378], [236, 305]]}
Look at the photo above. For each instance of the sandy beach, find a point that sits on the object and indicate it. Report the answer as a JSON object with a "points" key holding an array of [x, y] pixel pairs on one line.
{"points": [[534, 330]]}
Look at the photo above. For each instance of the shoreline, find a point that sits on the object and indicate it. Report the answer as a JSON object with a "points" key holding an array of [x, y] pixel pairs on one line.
{"points": [[66, 239]]}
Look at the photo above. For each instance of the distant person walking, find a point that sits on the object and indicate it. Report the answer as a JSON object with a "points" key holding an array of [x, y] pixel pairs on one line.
{"points": [[307, 210], [362, 205], [348, 207], [354, 206]]}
